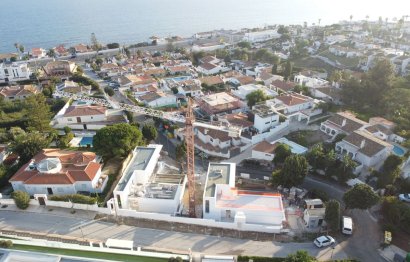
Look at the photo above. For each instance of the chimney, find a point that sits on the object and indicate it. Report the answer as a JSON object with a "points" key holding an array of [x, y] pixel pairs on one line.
{"points": [[344, 122], [362, 143]]}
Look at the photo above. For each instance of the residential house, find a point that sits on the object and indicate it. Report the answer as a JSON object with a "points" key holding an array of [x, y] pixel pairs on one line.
{"points": [[266, 151], [294, 104], [219, 103], [265, 117], [314, 213], [245, 90], [261, 36], [81, 48], [328, 94], [140, 81], [268, 78], [222, 201], [212, 81], [18, 92], [365, 148], [74, 88], [158, 99], [60, 50], [208, 47], [179, 70], [14, 72], [310, 82], [9, 57], [149, 185], [60, 68], [59, 172], [87, 117], [38, 52], [240, 120], [191, 87], [155, 72], [283, 86], [211, 69], [242, 80], [342, 123]]}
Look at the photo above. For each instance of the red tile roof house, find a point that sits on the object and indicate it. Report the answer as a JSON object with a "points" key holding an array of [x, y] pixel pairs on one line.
{"points": [[54, 171], [38, 52], [18, 92], [342, 123], [87, 117]]}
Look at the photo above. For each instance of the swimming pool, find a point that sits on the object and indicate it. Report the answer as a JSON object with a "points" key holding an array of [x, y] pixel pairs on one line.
{"points": [[86, 141], [398, 151]]}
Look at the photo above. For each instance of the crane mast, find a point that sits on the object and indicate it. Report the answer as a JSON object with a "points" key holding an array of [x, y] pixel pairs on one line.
{"points": [[188, 120]]}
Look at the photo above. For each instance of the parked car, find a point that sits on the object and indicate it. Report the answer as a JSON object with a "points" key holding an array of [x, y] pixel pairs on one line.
{"points": [[404, 197], [324, 241], [347, 225]]}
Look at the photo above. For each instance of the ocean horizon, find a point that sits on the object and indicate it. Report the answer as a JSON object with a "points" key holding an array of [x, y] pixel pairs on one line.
{"points": [[47, 23]]}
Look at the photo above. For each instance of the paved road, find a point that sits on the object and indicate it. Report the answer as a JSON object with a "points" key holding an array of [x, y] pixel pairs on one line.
{"points": [[366, 238], [156, 239]]}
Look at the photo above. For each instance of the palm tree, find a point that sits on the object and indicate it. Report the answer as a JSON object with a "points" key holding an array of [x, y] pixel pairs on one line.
{"points": [[16, 45], [21, 47], [319, 21], [351, 17]]}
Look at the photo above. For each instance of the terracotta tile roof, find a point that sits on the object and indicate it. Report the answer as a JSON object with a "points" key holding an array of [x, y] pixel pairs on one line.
{"points": [[292, 99], [108, 66], [265, 147], [283, 85], [155, 71], [351, 123], [208, 66], [208, 59], [367, 143], [75, 166], [178, 69], [238, 119], [211, 80], [245, 80], [11, 91], [74, 111], [151, 96], [214, 133], [379, 128], [81, 48]]}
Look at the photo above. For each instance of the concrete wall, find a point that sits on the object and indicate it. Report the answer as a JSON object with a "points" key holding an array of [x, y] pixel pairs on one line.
{"points": [[260, 137], [262, 155]]}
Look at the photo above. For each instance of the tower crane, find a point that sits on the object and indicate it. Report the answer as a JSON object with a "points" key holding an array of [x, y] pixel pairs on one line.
{"points": [[188, 120]]}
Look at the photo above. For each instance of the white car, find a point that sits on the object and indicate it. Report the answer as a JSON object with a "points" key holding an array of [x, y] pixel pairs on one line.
{"points": [[324, 241], [404, 197]]}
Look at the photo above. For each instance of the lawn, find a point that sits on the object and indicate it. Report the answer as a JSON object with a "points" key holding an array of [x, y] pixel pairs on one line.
{"points": [[87, 254]]}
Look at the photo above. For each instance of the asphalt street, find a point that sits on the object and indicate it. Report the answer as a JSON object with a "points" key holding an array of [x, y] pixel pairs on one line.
{"points": [[156, 239]]}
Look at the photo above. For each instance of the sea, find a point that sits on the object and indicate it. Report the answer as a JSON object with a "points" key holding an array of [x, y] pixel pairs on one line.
{"points": [[47, 23]]}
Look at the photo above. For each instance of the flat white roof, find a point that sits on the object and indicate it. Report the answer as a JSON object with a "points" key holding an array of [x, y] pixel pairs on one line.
{"points": [[250, 200]]}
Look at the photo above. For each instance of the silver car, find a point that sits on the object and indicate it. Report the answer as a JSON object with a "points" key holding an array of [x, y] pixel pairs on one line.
{"points": [[404, 197]]}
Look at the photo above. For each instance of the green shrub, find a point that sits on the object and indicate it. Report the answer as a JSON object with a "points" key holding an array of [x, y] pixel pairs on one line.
{"points": [[260, 259], [6, 243], [22, 199], [75, 198]]}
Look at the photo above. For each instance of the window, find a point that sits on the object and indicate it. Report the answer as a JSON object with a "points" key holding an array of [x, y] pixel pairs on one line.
{"points": [[69, 119], [211, 140], [92, 118], [266, 123], [206, 206]]}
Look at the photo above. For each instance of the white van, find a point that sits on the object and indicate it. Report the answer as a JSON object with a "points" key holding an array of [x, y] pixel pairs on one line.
{"points": [[347, 226]]}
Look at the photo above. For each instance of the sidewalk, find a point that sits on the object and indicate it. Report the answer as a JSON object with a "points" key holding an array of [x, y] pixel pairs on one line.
{"points": [[55, 211]]}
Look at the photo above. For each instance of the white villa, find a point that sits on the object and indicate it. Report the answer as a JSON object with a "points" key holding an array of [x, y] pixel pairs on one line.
{"points": [[223, 202]]}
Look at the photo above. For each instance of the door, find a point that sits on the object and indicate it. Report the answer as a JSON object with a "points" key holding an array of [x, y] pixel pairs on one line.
{"points": [[78, 119], [49, 190], [228, 214], [41, 201], [85, 127]]}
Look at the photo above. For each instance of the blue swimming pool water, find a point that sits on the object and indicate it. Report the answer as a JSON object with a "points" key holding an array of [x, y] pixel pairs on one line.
{"points": [[398, 151], [86, 141]]}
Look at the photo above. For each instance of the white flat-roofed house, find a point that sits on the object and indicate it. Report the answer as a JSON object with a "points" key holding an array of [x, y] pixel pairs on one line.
{"points": [[190, 90], [245, 90], [223, 202], [219, 103], [147, 185], [365, 148], [14, 72], [311, 82], [261, 36], [264, 117], [59, 172]]}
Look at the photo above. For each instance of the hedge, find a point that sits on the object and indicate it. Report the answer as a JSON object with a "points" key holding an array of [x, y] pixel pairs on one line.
{"points": [[75, 198], [6, 243], [21, 198]]}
